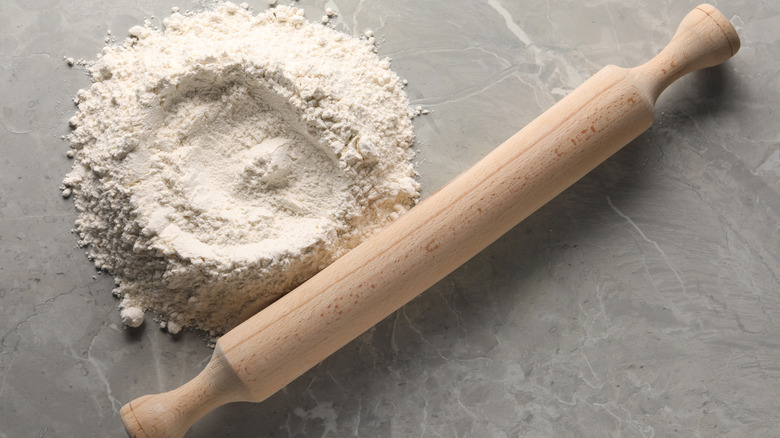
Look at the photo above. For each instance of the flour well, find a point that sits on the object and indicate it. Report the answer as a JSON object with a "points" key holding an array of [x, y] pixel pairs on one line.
{"points": [[223, 160]]}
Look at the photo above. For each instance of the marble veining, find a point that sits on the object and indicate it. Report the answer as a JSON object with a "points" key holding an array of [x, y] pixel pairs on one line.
{"points": [[642, 302]]}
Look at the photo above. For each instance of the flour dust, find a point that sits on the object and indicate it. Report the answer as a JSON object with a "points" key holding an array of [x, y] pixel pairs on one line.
{"points": [[224, 160]]}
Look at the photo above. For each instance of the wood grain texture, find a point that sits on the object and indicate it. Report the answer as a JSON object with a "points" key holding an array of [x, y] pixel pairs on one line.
{"points": [[271, 349]]}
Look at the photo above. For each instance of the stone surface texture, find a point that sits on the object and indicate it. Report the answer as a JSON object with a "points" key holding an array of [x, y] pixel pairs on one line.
{"points": [[642, 302]]}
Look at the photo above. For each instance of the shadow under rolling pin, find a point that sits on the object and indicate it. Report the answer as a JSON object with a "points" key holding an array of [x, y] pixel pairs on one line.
{"points": [[283, 341]]}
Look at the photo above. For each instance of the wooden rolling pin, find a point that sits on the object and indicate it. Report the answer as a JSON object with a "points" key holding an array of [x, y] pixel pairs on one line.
{"points": [[280, 343]]}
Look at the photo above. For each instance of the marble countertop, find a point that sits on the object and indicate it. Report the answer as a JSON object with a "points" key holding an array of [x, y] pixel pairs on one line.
{"points": [[644, 301]]}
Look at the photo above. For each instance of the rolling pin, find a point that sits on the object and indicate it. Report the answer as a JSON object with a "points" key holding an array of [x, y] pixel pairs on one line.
{"points": [[272, 348]]}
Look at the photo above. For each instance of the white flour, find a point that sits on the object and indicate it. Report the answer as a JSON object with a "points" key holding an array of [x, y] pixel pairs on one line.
{"points": [[221, 162]]}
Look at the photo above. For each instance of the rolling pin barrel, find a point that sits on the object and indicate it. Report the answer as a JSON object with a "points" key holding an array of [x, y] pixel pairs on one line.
{"points": [[280, 343]]}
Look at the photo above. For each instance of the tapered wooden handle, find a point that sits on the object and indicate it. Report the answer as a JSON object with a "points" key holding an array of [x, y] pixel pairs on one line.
{"points": [[272, 348], [170, 414], [705, 38]]}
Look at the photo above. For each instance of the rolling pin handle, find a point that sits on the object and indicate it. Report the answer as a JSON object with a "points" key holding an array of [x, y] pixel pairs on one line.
{"points": [[705, 38], [170, 414]]}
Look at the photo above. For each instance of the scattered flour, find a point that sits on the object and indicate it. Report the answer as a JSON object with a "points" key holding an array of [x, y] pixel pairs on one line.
{"points": [[224, 160]]}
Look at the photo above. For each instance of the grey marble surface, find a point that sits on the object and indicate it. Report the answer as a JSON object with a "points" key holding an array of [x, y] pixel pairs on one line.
{"points": [[642, 302]]}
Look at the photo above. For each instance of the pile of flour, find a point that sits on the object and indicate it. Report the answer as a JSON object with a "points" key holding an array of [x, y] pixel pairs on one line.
{"points": [[224, 160]]}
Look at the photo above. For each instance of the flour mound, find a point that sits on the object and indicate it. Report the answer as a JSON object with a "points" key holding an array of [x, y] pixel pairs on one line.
{"points": [[224, 160]]}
